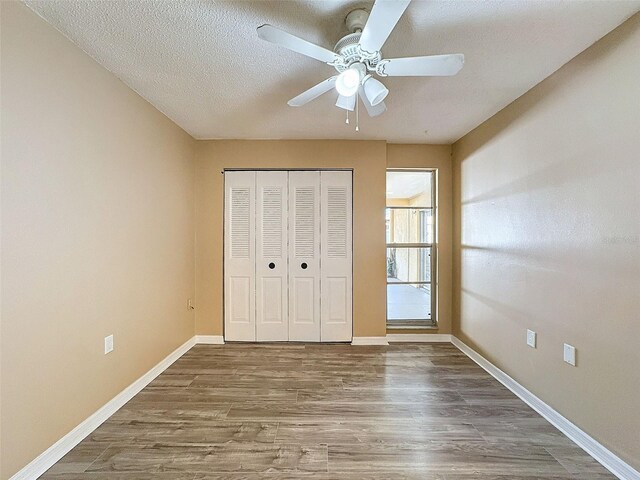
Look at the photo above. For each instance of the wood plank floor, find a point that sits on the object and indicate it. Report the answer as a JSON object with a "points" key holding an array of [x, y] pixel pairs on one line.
{"points": [[409, 411]]}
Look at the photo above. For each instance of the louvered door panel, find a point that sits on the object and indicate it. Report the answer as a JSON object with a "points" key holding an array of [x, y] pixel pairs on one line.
{"points": [[272, 287], [304, 256], [239, 254], [288, 256], [336, 213], [336, 262]]}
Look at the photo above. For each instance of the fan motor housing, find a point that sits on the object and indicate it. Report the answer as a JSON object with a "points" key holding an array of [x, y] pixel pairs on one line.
{"points": [[347, 45], [348, 48], [357, 19]]}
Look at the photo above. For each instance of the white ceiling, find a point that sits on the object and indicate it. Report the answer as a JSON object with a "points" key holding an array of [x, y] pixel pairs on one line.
{"points": [[202, 64]]}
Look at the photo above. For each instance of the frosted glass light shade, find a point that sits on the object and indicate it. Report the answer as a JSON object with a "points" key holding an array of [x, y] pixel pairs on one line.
{"points": [[348, 103], [375, 91], [348, 82]]}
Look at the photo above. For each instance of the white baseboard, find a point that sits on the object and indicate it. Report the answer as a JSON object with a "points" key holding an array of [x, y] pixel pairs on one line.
{"points": [[369, 341], [210, 339], [419, 337], [599, 452], [51, 455]]}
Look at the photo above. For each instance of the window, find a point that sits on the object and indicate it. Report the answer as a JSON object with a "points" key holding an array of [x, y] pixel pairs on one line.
{"points": [[411, 254]]}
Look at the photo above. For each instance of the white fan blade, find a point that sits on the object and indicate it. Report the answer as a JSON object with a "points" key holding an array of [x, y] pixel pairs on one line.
{"points": [[371, 110], [314, 92], [431, 66], [383, 17], [297, 44]]}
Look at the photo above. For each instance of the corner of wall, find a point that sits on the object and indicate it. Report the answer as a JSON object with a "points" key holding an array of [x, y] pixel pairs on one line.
{"points": [[456, 240]]}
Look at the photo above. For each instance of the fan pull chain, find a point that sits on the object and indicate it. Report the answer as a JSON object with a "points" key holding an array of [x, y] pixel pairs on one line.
{"points": [[347, 120], [357, 115]]}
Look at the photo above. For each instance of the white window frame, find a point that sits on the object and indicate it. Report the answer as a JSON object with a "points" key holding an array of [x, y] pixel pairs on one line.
{"points": [[433, 280]]}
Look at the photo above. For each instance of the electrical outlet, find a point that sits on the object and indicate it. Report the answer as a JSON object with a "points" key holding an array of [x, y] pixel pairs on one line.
{"points": [[531, 338], [108, 344], [570, 354]]}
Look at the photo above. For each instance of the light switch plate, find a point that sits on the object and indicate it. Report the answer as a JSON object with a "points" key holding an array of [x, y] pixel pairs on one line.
{"points": [[570, 354], [108, 344], [531, 338]]}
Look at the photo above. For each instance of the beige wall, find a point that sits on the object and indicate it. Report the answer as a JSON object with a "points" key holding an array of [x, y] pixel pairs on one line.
{"points": [[548, 197], [97, 236], [438, 157], [99, 212], [368, 161]]}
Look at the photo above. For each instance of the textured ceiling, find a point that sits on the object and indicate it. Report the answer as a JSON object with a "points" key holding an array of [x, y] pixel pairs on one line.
{"points": [[202, 64]]}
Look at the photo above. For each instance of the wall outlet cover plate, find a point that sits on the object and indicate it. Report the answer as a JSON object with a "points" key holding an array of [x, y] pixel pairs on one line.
{"points": [[570, 354], [108, 344]]}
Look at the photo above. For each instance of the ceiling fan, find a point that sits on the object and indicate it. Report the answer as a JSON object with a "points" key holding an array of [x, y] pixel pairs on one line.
{"points": [[357, 57]]}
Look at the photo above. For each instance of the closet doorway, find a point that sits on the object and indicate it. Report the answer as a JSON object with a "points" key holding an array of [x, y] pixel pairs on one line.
{"points": [[288, 256]]}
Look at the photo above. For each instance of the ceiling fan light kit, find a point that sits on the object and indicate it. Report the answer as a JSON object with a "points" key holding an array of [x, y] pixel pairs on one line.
{"points": [[346, 103], [375, 91], [357, 57], [348, 81]]}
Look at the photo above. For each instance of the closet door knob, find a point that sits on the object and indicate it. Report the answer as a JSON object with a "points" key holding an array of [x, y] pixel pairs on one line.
{"points": [[303, 266], [272, 265]]}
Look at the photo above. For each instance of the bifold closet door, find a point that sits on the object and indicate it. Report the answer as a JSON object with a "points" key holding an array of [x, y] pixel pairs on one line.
{"points": [[239, 255], [288, 256], [336, 260], [304, 256], [272, 322]]}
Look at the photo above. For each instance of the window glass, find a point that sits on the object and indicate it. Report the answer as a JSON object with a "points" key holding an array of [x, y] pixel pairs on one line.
{"points": [[409, 189], [408, 302], [408, 264], [410, 235], [409, 225]]}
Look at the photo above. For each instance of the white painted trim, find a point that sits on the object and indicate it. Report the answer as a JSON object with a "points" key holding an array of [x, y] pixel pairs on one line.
{"points": [[599, 452], [419, 337], [209, 339], [369, 341], [55, 452]]}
